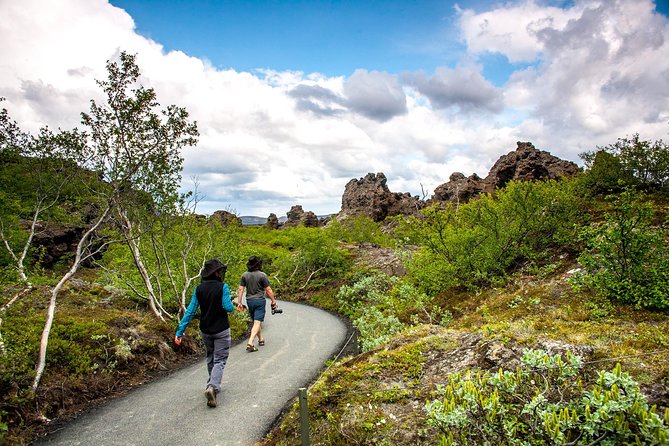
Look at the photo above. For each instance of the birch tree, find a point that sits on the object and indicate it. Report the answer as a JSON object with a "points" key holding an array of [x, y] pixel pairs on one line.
{"points": [[37, 177], [137, 149], [134, 148]]}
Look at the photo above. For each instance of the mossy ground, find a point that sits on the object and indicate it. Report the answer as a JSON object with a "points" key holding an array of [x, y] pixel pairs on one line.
{"points": [[378, 397]]}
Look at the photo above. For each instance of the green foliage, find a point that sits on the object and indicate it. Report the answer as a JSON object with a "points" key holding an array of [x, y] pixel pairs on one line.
{"points": [[605, 173], [625, 257], [478, 242], [544, 402], [134, 146], [174, 251], [628, 162], [39, 181], [358, 229], [380, 306], [313, 254], [375, 327]]}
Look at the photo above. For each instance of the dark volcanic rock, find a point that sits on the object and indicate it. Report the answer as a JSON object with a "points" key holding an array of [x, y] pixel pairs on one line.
{"points": [[53, 242], [524, 164], [272, 221], [226, 218], [297, 216], [370, 196], [460, 189], [528, 164]]}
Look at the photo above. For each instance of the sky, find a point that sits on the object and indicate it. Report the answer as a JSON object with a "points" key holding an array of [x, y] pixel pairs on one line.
{"points": [[294, 99]]}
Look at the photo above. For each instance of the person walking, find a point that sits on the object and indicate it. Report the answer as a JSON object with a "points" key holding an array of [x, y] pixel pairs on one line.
{"points": [[213, 295], [257, 287]]}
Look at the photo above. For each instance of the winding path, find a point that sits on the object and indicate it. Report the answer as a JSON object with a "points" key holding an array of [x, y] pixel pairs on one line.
{"points": [[256, 386]]}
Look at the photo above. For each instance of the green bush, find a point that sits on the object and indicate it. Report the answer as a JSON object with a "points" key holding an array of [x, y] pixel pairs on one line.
{"points": [[626, 258], [546, 401], [381, 306], [358, 229], [376, 328], [628, 162], [605, 174], [477, 243], [314, 255]]}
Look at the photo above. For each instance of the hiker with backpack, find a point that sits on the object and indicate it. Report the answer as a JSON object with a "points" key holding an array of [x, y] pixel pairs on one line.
{"points": [[213, 295]]}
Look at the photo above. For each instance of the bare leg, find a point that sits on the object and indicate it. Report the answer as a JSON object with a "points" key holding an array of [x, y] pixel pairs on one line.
{"points": [[258, 333], [255, 331]]}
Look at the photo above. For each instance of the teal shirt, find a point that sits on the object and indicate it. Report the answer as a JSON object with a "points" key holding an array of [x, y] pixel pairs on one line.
{"points": [[226, 302]]}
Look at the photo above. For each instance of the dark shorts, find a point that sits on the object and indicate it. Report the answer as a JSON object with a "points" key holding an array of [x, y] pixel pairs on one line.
{"points": [[257, 309]]}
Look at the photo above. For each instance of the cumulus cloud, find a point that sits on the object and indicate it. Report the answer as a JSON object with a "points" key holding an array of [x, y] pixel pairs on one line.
{"points": [[463, 88], [598, 70], [511, 29], [317, 99], [374, 94], [272, 139]]}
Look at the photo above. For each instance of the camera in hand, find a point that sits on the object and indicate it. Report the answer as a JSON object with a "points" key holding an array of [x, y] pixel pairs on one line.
{"points": [[276, 310]]}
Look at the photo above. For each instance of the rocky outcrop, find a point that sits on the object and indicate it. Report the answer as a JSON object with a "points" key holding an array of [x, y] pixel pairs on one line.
{"points": [[297, 216], [54, 242], [226, 218], [272, 221], [371, 197], [460, 188], [526, 163]]}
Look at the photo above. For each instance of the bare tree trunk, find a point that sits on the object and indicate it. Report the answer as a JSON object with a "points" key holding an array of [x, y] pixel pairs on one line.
{"points": [[83, 244], [139, 263]]}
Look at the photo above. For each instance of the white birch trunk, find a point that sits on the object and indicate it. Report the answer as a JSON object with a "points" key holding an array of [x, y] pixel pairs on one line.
{"points": [[51, 311]]}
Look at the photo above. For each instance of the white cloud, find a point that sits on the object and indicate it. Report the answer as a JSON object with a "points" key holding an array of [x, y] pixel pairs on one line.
{"points": [[271, 139], [600, 74], [511, 30]]}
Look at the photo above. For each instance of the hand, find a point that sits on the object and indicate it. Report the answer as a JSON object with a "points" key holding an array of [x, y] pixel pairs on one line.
{"points": [[240, 307], [273, 305], [177, 340]]}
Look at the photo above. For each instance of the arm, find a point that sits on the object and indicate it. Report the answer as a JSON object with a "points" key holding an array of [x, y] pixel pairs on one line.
{"points": [[240, 294], [270, 293], [188, 316], [227, 302]]}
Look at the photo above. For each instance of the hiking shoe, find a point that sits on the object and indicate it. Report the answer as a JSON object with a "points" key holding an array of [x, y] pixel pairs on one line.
{"points": [[210, 393]]}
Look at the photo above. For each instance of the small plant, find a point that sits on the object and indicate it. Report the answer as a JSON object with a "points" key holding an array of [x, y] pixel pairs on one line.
{"points": [[545, 402], [376, 328]]}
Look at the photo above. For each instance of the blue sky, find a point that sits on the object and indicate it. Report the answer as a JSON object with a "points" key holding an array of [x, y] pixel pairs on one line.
{"points": [[293, 99], [331, 37]]}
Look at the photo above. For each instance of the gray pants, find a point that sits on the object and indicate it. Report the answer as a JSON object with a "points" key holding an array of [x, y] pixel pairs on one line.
{"points": [[218, 349]]}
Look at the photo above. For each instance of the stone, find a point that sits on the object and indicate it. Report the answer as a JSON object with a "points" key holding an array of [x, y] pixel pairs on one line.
{"points": [[272, 222], [526, 163], [297, 216], [226, 218], [371, 197]]}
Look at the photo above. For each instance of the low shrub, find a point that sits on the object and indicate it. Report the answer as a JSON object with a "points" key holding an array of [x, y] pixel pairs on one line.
{"points": [[546, 401]]}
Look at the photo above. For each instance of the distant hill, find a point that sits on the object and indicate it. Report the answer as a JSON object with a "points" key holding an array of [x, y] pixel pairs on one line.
{"points": [[250, 220]]}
